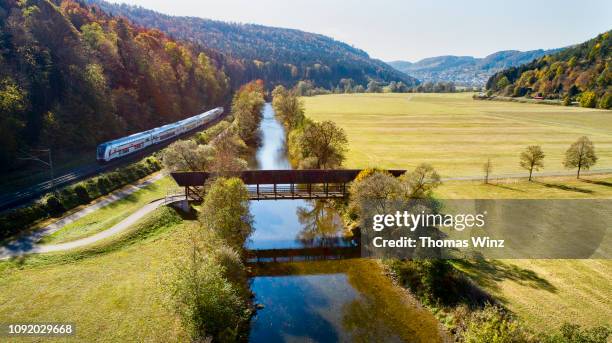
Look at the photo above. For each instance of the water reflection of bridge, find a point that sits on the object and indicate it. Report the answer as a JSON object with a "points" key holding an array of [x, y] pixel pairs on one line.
{"points": [[281, 184], [303, 254]]}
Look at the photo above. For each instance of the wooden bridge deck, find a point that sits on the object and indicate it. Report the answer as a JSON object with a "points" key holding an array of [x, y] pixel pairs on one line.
{"points": [[280, 184]]}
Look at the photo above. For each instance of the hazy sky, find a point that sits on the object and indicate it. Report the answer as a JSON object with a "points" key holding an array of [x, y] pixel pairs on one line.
{"points": [[411, 30]]}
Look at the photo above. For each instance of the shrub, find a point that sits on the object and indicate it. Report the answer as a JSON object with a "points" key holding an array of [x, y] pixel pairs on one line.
{"points": [[606, 101], [54, 206], [588, 99], [92, 189], [82, 193], [104, 185], [572, 333], [493, 325], [203, 287], [70, 197]]}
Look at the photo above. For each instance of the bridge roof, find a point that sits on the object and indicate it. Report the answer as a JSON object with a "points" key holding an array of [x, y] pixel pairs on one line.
{"points": [[263, 177]]}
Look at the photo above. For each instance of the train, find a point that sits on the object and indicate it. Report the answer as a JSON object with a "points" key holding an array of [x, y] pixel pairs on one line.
{"points": [[117, 148]]}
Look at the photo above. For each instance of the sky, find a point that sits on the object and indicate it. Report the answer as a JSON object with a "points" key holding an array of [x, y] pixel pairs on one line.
{"points": [[412, 30]]}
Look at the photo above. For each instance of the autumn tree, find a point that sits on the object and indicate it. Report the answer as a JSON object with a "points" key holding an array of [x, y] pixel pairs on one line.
{"points": [[226, 157], [322, 145], [421, 182], [187, 155], [247, 105], [532, 159], [288, 108], [581, 155], [225, 210]]}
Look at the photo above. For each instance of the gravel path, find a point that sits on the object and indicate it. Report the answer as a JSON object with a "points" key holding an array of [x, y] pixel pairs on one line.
{"points": [[28, 244]]}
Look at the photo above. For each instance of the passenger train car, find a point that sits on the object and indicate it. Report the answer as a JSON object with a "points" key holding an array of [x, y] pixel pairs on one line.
{"points": [[123, 146]]}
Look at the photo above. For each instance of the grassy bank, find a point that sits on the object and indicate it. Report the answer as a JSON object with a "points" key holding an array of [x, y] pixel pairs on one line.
{"points": [[109, 215], [455, 133], [110, 290]]}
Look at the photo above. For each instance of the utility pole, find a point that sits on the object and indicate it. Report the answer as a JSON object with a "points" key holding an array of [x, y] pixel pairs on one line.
{"points": [[48, 163]]}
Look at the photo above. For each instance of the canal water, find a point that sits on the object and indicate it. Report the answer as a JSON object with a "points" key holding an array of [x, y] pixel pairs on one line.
{"points": [[320, 301]]}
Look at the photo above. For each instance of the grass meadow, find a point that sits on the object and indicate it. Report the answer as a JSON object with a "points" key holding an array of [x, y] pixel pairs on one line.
{"points": [[110, 291], [457, 134], [111, 214], [543, 293]]}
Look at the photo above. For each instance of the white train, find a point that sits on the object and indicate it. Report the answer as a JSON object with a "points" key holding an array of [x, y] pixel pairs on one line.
{"points": [[123, 146]]}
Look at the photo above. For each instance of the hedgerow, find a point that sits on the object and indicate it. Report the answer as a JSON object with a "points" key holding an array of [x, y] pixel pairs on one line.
{"points": [[57, 203]]}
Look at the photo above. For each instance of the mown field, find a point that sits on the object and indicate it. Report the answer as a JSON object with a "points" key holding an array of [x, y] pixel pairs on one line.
{"points": [[543, 293], [455, 133]]}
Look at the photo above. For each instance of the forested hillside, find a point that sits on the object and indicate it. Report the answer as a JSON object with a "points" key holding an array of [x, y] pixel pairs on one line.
{"points": [[72, 77], [276, 55], [466, 70], [580, 73]]}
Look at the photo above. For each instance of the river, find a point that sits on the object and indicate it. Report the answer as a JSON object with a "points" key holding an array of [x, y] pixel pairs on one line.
{"points": [[321, 301]]}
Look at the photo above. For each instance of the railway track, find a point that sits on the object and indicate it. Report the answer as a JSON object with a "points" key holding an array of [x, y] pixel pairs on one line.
{"points": [[26, 195]]}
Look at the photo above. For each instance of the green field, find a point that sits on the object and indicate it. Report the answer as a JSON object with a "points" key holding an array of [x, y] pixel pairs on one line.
{"points": [[110, 290], [543, 293], [455, 133], [111, 214]]}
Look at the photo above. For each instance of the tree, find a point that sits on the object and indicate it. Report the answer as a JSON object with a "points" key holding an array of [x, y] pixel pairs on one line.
{"points": [[322, 145], [502, 83], [200, 290], [581, 155], [588, 99], [421, 182], [374, 190], [225, 211], [288, 108], [226, 160], [187, 155], [373, 87], [532, 159], [487, 168]]}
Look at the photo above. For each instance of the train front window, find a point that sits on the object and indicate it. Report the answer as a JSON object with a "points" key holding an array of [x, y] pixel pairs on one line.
{"points": [[100, 152]]}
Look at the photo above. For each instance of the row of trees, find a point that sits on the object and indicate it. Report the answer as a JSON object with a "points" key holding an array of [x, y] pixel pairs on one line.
{"points": [[580, 155], [208, 285], [223, 148], [310, 144], [307, 88], [72, 77]]}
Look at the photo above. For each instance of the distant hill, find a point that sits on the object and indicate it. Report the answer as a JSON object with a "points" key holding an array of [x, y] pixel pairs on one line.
{"points": [[72, 77], [466, 70], [582, 72], [276, 55]]}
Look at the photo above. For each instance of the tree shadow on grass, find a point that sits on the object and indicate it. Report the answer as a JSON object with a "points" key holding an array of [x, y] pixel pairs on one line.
{"points": [[565, 187], [507, 187], [597, 182], [488, 273]]}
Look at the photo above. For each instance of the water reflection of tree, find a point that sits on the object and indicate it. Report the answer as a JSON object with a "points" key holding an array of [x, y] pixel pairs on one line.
{"points": [[322, 226]]}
